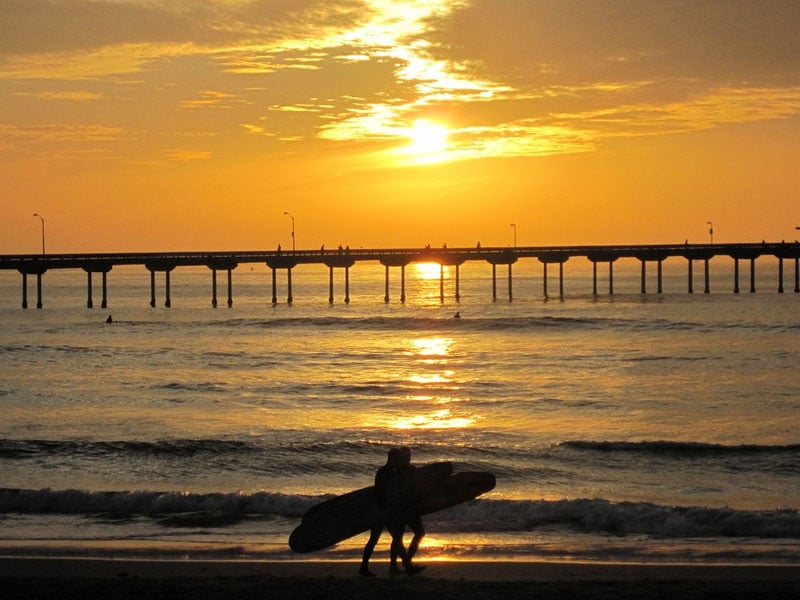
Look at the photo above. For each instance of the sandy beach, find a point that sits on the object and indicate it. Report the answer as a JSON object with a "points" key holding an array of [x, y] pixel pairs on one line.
{"points": [[66, 578]]}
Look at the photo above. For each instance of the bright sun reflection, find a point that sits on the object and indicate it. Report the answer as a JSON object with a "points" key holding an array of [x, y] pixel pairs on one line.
{"points": [[439, 419], [436, 346], [428, 270]]}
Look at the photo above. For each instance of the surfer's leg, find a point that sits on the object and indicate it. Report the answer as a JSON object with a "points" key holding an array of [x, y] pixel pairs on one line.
{"points": [[419, 532], [398, 549], [374, 536], [397, 531]]}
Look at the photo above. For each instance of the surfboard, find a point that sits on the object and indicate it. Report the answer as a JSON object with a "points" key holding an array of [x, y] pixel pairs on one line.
{"points": [[347, 515], [458, 488]]}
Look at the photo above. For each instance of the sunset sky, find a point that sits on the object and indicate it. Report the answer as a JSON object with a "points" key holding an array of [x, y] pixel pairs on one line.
{"points": [[149, 125]]}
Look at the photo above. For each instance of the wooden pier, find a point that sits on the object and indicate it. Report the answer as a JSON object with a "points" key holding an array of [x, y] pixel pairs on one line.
{"points": [[344, 258]]}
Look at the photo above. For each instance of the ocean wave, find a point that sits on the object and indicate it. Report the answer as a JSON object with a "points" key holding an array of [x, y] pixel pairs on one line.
{"points": [[680, 448], [642, 518], [418, 323], [130, 503], [597, 516], [22, 449], [202, 386], [183, 448]]}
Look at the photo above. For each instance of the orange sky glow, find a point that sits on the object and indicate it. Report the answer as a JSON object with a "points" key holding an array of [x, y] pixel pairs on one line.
{"points": [[160, 125]]}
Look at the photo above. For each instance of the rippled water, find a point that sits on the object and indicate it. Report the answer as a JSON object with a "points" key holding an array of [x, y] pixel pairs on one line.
{"points": [[641, 427]]}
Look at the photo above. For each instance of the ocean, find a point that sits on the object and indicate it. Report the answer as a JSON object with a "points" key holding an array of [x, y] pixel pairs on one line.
{"points": [[625, 427]]}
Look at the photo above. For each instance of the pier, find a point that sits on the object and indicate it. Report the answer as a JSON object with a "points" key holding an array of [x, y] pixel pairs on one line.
{"points": [[164, 263]]}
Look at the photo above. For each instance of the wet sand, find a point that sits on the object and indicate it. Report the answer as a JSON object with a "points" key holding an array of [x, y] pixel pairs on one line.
{"points": [[68, 578]]}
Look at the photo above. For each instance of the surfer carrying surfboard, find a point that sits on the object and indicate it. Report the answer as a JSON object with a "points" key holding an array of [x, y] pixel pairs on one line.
{"points": [[397, 527], [397, 459]]}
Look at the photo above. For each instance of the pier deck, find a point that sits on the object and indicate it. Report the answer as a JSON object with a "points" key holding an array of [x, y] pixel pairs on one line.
{"points": [[165, 262]]}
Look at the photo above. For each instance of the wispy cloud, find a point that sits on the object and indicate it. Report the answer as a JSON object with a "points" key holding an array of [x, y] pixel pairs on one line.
{"points": [[365, 70]]}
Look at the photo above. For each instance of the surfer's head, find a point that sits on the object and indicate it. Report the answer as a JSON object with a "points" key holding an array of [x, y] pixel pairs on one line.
{"points": [[395, 457], [405, 455]]}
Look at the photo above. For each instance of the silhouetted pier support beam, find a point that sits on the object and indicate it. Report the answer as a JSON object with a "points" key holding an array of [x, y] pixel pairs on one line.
{"points": [[644, 277], [393, 261], [559, 259], [797, 275], [659, 269], [506, 258], [780, 274], [742, 255], [705, 256], [166, 268], [103, 270], [214, 301], [598, 258], [494, 283], [32, 271], [457, 265], [345, 262], [706, 277], [611, 278], [281, 262], [221, 265]]}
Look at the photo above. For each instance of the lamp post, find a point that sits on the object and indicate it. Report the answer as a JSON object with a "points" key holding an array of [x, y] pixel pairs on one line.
{"points": [[711, 231], [286, 212], [514, 225], [42, 219]]}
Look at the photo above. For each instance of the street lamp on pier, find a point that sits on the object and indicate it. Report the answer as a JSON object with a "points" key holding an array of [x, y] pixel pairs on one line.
{"points": [[514, 226], [287, 213], [711, 231], [42, 219]]}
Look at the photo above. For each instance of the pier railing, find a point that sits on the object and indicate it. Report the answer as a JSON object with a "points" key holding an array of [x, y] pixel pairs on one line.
{"points": [[165, 262]]}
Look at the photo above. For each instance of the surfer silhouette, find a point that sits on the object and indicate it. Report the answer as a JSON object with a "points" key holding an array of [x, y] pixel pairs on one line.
{"points": [[398, 527], [396, 459], [382, 478]]}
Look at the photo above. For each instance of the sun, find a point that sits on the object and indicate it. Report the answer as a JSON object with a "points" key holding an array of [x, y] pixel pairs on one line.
{"points": [[427, 137], [428, 270]]}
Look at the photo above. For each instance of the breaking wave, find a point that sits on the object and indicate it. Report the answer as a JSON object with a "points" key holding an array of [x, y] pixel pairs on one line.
{"points": [[596, 516]]}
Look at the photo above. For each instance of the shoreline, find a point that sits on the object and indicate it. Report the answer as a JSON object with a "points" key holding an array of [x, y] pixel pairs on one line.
{"points": [[90, 578]]}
